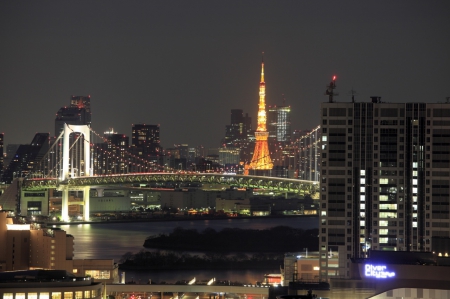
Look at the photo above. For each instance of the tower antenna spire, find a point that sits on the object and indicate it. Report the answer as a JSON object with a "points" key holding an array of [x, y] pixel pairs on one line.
{"points": [[330, 90], [261, 156]]}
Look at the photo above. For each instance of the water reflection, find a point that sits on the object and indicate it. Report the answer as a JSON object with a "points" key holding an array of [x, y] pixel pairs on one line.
{"points": [[113, 240]]}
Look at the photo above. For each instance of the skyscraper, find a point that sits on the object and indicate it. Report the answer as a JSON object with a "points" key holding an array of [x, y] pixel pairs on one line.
{"points": [[261, 156], [78, 113], [279, 123], [239, 129], [385, 179], [25, 158], [145, 140]]}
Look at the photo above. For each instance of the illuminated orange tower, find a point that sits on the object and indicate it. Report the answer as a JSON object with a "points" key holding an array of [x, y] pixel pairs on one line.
{"points": [[261, 156]]}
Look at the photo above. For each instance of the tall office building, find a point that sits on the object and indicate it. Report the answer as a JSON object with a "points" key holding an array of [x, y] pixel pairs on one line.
{"points": [[145, 141], [111, 156], [279, 123], [385, 179], [78, 113], [239, 128], [26, 157]]}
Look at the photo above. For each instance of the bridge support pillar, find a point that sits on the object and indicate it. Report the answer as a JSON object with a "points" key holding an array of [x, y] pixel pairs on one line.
{"points": [[86, 200], [65, 204]]}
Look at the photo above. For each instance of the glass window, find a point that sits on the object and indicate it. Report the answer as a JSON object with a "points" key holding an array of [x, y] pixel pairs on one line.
{"points": [[78, 295], [8, 296], [87, 294], [20, 295], [44, 295], [56, 295], [32, 295], [68, 295]]}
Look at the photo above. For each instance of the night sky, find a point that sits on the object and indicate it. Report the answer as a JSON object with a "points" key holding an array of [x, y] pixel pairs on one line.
{"points": [[185, 64]]}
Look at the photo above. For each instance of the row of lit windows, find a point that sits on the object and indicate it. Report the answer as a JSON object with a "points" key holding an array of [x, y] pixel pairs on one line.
{"points": [[54, 295]]}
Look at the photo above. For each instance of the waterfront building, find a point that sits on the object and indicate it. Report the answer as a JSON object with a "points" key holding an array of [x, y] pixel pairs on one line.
{"points": [[261, 160], [29, 247], [385, 180]]}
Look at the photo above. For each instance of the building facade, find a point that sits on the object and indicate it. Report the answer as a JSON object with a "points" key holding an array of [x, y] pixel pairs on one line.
{"points": [[145, 140], [385, 179]]}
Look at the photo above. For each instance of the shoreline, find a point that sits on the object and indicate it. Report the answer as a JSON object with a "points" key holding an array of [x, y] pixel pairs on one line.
{"points": [[167, 219]]}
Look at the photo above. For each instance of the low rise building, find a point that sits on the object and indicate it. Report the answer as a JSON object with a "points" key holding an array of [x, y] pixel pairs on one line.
{"points": [[29, 247]]}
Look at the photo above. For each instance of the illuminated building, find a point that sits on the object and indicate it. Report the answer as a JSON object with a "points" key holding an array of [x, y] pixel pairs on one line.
{"points": [[385, 180], [145, 140], [110, 157], [78, 113], [28, 247], [261, 156], [279, 123], [239, 129], [26, 156]]}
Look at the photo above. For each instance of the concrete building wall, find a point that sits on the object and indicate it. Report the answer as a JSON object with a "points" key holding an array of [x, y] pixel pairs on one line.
{"points": [[100, 270], [110, 204], [34, 203]]}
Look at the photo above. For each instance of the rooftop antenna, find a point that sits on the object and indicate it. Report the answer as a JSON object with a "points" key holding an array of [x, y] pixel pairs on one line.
{"points": [[352, 92], [284, 99], [330, 90]]}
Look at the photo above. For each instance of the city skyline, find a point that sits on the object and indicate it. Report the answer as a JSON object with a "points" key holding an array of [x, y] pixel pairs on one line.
{"points": [[185, 65]]}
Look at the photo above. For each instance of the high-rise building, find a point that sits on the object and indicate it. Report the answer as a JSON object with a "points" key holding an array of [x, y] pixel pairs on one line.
{"points": [[78, 113], [385, 179], [239, 128], [261, 156], [279, 124], [111, 156], [145, 141], [25, 158]]}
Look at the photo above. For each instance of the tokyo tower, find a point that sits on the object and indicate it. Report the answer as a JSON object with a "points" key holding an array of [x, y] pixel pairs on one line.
{"points": [[261, 157]]}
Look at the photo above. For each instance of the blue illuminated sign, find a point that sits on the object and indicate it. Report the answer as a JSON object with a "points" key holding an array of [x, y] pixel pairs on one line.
{"points": [[378, 271]]}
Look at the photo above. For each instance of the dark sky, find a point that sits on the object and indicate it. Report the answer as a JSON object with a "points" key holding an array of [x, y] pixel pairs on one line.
{"points": [[185, 64]]}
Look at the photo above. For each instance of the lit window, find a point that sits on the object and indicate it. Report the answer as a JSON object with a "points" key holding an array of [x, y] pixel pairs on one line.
{"points": [[56, 295], [68, 295], [8, 296], [44, 295]]}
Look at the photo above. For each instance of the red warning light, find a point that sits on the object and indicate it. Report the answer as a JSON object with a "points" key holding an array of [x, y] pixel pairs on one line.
{"points": [[334, 78]]}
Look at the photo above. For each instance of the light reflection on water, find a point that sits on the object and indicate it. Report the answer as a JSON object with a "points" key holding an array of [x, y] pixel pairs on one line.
{"points": [[113, 240]]}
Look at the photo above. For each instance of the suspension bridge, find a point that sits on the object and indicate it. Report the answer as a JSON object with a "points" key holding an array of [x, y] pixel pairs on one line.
{"points": [[79, 158]]}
